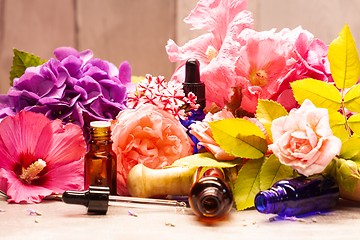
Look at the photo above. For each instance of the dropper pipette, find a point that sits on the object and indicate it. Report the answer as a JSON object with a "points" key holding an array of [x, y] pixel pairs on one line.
{"points": [[97, 199]]}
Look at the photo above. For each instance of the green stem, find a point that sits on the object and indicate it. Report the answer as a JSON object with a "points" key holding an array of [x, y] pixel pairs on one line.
{"points": [[3, 194], [344, 113]]}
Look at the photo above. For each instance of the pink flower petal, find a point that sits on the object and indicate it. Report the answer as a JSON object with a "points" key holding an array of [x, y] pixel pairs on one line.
{"points": [[18, 192], [147, 135], [20, 134], [60, 148], [60, 153], [218, 152], [215, 15], [68, 176], [297, 142]]}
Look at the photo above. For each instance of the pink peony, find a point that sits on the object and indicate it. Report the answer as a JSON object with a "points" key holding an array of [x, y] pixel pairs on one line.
{"points": [[202, 131], [263, 63], [303, 140], [147, 135], [313, 63], [217, 50], [39, 157]]}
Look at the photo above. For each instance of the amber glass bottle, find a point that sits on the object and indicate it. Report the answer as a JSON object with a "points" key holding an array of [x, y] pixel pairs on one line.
{"points": [[211, 196], [100, 160]]}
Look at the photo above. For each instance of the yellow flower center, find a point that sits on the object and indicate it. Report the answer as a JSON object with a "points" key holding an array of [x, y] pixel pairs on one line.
{"points": [[32, 171], [211, 53], [259, 78]]}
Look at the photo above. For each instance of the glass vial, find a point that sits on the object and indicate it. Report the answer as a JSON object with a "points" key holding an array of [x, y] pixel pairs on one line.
{"points": [[211, 196], [100, 160], [193, 84], [299, 196]]}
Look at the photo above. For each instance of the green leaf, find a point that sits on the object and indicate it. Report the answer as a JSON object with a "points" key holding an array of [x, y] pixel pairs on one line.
{"points": [[204, 160], [344, 59], [272, 171], [267, 111], [337, 125], [321, 94], [354, 123], [21, 61], [352, 99], [247, 184], [346, 173], [350, 148], [239, 137]]}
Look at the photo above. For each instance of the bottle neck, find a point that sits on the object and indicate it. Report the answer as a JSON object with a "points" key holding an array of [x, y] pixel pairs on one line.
{"points": [[210, 202], [100, 134], [270, 201]]}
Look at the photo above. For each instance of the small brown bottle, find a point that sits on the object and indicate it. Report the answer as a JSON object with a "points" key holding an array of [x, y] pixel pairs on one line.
{"points": [[211, 196], [100, 160]]}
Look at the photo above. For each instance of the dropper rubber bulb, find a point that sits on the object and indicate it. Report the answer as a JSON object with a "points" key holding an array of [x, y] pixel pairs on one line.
{"points": [[192, 71], [193, 83], [96, 199]]}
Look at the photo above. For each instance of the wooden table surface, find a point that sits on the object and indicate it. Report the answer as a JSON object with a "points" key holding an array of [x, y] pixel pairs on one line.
{"points": [[63, 221]]}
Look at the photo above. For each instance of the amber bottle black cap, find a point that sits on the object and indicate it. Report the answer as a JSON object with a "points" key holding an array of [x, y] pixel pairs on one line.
{"points": [[192, 81]]}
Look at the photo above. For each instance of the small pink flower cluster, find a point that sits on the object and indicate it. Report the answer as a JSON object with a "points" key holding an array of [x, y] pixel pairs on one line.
{"points": [[166, 96]]}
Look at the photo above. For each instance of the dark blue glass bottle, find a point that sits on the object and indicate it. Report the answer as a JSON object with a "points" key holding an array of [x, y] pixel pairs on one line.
{"points": [[299, 196]]}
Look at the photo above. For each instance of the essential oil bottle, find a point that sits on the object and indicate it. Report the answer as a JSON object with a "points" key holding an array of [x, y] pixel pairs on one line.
{"points": [[193, 84], [100, 160], [299, 196], [210, 196]]}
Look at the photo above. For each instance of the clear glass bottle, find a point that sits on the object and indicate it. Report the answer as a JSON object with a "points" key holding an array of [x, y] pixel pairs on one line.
{"points": [[100, 160], [299, 196], [211, 196]]}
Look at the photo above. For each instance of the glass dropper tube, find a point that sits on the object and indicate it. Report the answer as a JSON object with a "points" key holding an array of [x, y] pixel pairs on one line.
{"points": [[116, 200], [98, 198]]}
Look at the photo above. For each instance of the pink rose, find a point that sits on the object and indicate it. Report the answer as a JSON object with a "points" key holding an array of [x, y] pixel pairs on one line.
{"points": [[202, 131], [303, 139], [149, 136]]}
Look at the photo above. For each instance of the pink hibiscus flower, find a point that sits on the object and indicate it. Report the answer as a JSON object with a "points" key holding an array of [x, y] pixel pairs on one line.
{"points": [[264, 61], [216, 51], [39, 157]]}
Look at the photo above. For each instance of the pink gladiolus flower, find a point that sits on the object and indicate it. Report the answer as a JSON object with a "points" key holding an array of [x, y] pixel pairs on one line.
{"points": [[39, 157], [216, 15], [202, 131], [216, 51], [147, 135], [303, 140]]}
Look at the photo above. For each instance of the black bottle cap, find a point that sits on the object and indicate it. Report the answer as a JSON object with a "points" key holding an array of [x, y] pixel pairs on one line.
{"points": [[192, 81], [96, 199]]}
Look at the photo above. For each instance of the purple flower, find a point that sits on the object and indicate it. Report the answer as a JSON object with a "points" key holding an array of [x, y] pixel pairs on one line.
{"points": [[73, 87]]}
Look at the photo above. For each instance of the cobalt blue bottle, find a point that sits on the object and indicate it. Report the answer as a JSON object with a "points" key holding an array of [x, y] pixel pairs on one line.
{"points": [[299, 196]]}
